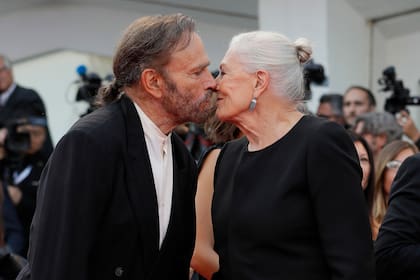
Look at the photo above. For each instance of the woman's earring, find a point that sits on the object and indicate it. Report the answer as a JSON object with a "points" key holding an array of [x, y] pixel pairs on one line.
{"points": [[252, 104]]}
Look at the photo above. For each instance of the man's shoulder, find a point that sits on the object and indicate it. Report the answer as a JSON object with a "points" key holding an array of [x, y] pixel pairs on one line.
{"points": [[412, 161], [25, 92], [101, 130], [102, 118]]}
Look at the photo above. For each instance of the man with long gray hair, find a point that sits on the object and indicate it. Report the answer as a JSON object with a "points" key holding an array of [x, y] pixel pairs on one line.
{"points": [[116, 199]]}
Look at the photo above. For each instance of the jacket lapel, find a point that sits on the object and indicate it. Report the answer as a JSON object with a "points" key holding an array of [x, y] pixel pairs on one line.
{"points": [[142, 193], [178, 195]]}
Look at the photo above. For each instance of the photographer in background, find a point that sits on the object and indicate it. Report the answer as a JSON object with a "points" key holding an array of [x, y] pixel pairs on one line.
{"points": [[22, 112], [16, 101], [397, 103], [22, 164]]}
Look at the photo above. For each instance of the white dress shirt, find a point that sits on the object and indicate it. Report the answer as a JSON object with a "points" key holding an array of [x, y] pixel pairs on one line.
{"points": [[159, 148]]}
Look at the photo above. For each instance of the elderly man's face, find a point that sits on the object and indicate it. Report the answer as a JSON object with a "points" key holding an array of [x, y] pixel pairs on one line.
{"points": [[189, 83], [6, 77]]}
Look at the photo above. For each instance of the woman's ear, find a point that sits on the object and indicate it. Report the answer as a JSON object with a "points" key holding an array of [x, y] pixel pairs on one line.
{"points": [[152, 82], [261, 83]]}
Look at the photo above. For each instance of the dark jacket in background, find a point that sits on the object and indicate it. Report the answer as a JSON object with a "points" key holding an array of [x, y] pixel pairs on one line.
{"points": [[25, 102], [397, 248]]}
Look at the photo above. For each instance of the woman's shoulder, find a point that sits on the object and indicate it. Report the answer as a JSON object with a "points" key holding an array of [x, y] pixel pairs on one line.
{"points": [[319, 126], [234, 146]]}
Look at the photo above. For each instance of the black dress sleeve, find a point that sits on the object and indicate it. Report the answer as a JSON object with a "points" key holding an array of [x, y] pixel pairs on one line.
{"points": [[334, 178]]}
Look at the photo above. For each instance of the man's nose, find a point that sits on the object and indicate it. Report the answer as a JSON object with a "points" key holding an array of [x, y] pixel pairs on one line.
{"points": [[210, 81]]}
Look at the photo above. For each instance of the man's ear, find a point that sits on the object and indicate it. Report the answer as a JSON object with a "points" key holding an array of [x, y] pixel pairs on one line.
{"points": [[152, 82], [261, 82]]}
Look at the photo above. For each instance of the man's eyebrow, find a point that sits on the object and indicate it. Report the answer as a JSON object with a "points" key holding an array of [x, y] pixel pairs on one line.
{"points": [[202, 65]]}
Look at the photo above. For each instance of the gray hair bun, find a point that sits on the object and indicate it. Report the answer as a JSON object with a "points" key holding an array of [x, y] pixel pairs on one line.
{"points": [[303, 50]]}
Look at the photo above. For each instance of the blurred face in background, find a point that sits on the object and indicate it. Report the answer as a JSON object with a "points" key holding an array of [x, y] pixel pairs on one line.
{"points": [[364, 163], [355, 103], [6, 77], [392, 168], [326, 110], [376, 142]]}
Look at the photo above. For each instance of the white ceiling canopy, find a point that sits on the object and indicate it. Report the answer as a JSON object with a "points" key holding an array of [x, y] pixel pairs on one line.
{"points": [[393, 17]]}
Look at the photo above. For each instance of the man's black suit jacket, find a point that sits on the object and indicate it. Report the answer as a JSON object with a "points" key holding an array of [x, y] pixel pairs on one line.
{"points": [[97, 214], [397, 248]]}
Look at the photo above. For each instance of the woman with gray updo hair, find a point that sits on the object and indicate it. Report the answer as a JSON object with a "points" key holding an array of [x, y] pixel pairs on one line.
{"points": [[287, 201], [283, 59]]}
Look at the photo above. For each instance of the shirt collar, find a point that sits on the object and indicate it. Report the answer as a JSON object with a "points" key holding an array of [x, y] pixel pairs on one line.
{"points": [[149, 127], [5, 95]]}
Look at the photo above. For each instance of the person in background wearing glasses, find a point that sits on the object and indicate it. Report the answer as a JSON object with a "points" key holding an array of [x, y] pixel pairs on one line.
{"points": [[398, 244], [386, 167]]}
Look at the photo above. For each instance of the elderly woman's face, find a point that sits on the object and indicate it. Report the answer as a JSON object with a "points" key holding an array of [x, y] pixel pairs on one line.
{"points": [[234, 88]]}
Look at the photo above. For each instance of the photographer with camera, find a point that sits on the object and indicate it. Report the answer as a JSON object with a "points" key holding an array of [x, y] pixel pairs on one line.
{"points": [[21, 165], [25, 146], [17, 101], [397, 103]]}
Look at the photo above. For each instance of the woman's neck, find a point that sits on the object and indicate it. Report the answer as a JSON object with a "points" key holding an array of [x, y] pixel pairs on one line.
{"points": [[264, 129]]}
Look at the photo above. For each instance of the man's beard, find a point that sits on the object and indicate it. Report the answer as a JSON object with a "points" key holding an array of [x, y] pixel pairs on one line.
{"points": [[183, 107]]}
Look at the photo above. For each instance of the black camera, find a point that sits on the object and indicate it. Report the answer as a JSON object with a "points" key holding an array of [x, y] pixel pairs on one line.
{"points": [[90, 84], [313, 73], [16, 143], [400, 96], [15, 146], [88, 90]]}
